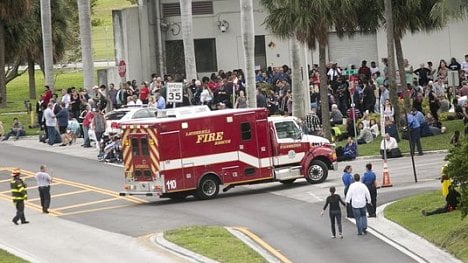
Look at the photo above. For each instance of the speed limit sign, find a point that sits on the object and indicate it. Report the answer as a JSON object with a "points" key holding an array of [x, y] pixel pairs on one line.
{"points": [[174, 92]]}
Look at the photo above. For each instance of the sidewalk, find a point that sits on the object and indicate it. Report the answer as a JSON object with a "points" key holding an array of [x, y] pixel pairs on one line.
{"points": [[57, 239]]}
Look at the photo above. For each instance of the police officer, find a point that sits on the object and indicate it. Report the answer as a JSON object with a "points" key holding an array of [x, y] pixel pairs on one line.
{"points": [[19, 194]]}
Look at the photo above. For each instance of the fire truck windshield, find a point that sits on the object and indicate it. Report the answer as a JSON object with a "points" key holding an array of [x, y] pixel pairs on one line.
{"points": [[287, 129]]}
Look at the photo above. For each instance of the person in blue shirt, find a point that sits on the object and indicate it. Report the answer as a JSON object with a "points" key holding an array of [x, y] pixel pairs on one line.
{"points": [[424, 127], [369, 179], [350, 150], [414, 128], [347, 179]]}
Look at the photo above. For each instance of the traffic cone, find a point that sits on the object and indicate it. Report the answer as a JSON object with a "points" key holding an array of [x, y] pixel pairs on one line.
{"points": [[386, 176]]}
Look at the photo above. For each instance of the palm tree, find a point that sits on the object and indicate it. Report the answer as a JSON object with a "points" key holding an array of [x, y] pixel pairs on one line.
{"points": [[84, 12], [11, 11], [187, 35], [46, 22], [413, 16], [391, 57], [309, 22], [449, 9], [297, 87], [248, 40]]}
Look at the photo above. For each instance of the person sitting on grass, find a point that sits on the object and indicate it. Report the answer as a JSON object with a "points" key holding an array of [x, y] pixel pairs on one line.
{"points": [[16, 130], [349, 150], [391, 147], [451, 203]]}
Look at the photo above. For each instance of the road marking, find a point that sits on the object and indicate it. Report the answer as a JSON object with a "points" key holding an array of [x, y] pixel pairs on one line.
{"points": [[315, 196], [95, 209], [83, 189], [264, 244], [86, 204]]}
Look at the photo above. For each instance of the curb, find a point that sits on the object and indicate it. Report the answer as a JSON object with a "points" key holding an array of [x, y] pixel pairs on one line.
{"points": [[159, 240], [267, 255], [403, 155]]}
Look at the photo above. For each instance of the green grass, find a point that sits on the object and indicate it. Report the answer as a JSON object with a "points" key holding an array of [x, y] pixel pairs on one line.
{"points": [[103, 35], [439, 142], [447, 230], [7, 257], [213, 242], [18, 92]]}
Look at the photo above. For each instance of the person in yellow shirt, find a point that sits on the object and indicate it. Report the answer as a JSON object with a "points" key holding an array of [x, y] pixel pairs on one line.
{"points": [[445, 180]]}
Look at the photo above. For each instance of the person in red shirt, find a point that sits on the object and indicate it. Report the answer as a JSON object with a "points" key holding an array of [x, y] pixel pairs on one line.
{"points": [[46, 97], [364, 71], [144, 93], [86, 125]]}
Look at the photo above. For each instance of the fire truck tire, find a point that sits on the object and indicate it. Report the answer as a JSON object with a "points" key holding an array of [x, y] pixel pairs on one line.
{"points": [[290, 181], [317, 172], [208, 187]]}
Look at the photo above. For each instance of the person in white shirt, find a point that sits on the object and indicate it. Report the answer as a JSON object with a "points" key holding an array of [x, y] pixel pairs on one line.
{"points": [[43, 183], [359, 196], [66, 97], [464, 65], [134, 101], [390, 145]]}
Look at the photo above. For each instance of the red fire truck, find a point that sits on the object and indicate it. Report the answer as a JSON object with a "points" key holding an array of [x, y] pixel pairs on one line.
{"points": [[194, 153]]}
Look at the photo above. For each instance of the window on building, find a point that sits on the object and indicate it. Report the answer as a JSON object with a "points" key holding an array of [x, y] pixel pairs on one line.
{"points": [[198, 8], [205, 55], [175, 59], [260, 52]]}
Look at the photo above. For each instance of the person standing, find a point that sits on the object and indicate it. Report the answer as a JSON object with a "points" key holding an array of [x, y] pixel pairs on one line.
{"points": [[347, 179], [358, 195], [51, 123], [335, 212], [43, 183], [414, 128], [19, 194], [369, 179]]}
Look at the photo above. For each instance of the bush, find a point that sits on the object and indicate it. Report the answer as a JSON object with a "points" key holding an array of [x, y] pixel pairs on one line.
{"points": [[457, 171]]}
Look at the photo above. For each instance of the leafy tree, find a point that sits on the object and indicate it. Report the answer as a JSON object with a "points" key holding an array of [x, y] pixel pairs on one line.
{"points": [[11, 11], [456, 170]]}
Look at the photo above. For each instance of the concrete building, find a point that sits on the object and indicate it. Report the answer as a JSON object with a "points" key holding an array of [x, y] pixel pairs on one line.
{"points": [[148, 38]]}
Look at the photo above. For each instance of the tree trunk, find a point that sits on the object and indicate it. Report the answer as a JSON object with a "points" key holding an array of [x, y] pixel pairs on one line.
{"points": [[324, 107], [187, 35], [391, 59], [32, 79], [3, 90], [297, 89], [305, 79], [401, 67], [248, 40], [84, 12], [47, 45]]}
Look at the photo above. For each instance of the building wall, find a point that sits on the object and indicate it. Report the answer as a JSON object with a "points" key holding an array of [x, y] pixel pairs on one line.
{"points": [[452, 41]]}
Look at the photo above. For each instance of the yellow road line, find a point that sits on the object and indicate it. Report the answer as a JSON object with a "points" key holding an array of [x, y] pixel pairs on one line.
{"points": [[93, 210], [88, 203], [32, 206], [264, 244]]}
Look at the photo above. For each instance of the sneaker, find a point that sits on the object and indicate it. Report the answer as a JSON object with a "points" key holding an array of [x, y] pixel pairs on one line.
{"points": [[14, 222], [333, 236], [424, 212], [25, 222], [341, 236], [364, 231]]}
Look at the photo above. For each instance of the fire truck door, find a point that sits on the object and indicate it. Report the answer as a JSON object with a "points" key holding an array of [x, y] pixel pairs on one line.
{"points": [[141, 157], [248, 147]]}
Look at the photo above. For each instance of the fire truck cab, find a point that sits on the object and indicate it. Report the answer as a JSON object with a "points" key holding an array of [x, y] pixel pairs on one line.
{"points": [[197, 151]]}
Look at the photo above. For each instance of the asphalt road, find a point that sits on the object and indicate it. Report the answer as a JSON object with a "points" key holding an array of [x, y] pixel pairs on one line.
{"points": [[287, 217]]}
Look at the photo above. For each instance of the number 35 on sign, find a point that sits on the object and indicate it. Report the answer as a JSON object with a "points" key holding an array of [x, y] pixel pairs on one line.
{"points": [[174, 92]]}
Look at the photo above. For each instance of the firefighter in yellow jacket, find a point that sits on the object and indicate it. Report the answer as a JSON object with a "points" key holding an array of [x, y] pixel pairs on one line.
{"points": [[19, 194]]}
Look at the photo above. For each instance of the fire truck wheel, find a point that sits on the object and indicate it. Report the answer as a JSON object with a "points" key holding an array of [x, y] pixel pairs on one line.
{"points": [[317, 172], [208, 187]]}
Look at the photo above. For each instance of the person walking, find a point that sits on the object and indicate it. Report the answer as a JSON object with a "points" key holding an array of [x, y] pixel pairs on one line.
{"points": [[347, 179], [19, 194], [358, 195], [43, 183], [369, 179], [334, 201]]}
